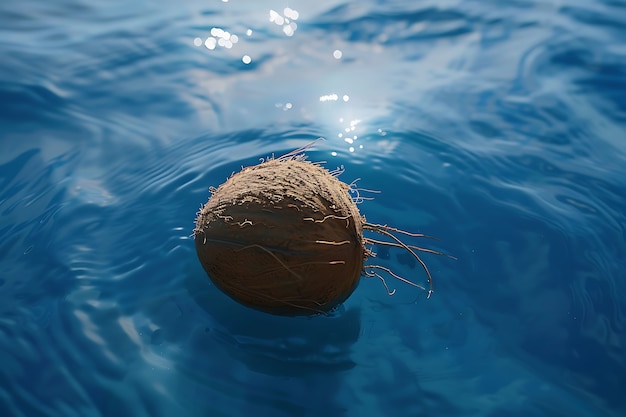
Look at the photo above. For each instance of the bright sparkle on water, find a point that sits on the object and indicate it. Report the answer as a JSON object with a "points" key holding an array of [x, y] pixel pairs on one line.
{"points": [[219, 37], [285, 20], [210, 43], [329, 97], [291, 13]]}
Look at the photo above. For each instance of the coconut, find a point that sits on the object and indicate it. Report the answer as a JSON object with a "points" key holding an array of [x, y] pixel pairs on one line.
{"points": [[286, 237], [283, 236]]}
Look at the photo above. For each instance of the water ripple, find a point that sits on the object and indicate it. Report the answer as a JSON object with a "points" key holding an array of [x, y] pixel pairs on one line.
{"points": [[496, 127]]}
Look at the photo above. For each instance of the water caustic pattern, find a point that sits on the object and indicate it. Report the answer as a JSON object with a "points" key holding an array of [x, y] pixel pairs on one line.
{"points": [[498, 128]]}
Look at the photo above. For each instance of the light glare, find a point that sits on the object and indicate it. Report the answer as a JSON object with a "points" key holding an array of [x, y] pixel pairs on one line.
{"points": [[286, 21], [210, 43], [290, 29], [291, 13], [276, 18], [329, 97]]}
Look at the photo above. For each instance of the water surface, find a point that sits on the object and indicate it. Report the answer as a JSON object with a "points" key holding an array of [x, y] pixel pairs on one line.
{"points": [[499, 128]]}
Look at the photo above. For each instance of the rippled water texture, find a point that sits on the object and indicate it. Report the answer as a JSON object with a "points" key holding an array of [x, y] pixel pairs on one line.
{"points": [[498, 127]]}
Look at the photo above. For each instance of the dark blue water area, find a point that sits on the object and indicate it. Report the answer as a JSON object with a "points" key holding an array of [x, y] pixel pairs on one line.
{"points": [[497, 127]]}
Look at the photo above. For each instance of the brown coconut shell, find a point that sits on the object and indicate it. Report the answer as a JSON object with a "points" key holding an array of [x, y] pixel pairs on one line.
{"points": [[283, 237]]}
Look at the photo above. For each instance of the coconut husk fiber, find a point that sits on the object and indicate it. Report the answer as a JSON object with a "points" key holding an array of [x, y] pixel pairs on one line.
{"points": [[283, 237]]}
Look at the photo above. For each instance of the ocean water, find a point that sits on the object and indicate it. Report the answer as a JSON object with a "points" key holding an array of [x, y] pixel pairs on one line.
{"points": [[498, 127]]}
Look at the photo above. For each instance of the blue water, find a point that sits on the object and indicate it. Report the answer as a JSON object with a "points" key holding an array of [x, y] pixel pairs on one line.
{"points": [[498, 127]]}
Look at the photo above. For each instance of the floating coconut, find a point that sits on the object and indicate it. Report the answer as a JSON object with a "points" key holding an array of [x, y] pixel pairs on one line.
{"points": [[286, 237]]}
